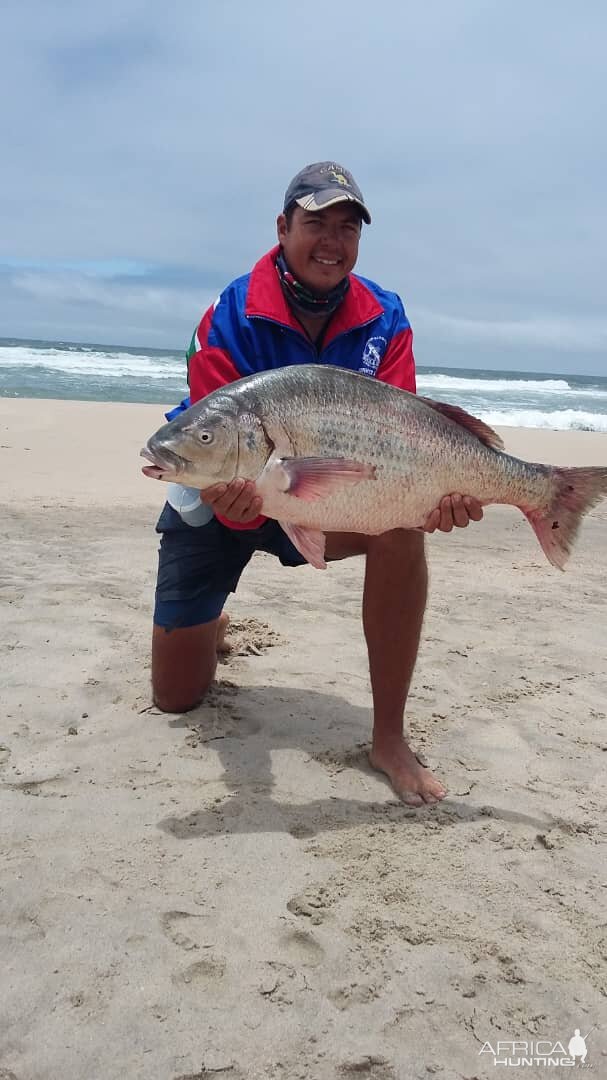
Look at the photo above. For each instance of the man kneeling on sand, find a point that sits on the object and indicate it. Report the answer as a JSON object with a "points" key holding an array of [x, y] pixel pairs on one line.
{"points": [[301, 304]]}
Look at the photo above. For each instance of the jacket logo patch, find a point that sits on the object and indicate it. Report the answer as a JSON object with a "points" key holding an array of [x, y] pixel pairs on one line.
{"points": [[373, 352]]}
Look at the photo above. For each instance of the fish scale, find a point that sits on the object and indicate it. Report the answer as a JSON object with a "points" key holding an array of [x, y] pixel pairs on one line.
{"points": [[331, 450], [419, 455]]}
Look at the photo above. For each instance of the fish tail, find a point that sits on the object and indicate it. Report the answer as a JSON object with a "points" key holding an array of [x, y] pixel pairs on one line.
{"points": [[556, 527]]}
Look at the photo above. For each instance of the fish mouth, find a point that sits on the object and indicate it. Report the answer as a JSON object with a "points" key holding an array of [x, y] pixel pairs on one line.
{"points": [[165, 464]]}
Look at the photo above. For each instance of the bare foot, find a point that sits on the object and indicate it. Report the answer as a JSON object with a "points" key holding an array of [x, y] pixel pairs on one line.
{"points": [[223, 622], [411, 780]]}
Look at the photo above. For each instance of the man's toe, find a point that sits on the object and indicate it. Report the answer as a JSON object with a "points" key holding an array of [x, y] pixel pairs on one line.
{"points": [[411, 798]]}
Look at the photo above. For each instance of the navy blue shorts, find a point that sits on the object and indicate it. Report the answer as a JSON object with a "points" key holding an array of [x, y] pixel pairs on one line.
{"points": [[199, 567]]}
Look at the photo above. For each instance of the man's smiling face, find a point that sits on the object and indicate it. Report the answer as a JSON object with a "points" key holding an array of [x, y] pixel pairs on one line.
{"points": [[321, 246]]}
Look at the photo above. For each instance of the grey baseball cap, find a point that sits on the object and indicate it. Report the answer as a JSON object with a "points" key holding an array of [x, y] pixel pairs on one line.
{"points": [[324, 184]]}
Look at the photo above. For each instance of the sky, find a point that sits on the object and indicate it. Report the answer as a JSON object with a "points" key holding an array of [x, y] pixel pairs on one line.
{"points": [[146, 148]]}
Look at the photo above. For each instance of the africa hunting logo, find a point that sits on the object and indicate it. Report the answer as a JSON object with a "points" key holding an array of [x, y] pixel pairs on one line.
{"points": [[373, 352], [518, 1053]]}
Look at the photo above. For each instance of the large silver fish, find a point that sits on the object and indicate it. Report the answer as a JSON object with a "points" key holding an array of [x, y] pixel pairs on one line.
{"points": [[332, 451]]}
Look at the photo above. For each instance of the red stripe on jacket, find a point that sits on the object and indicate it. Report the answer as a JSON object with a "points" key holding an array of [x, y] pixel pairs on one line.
{"points": [[397, 367]]}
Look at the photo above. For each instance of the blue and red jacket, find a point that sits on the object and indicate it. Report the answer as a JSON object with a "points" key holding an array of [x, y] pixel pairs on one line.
{"points": [[251, 328]]}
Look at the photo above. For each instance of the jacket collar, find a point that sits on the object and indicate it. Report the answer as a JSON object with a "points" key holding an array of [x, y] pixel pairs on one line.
{"points": [[266, 300]]}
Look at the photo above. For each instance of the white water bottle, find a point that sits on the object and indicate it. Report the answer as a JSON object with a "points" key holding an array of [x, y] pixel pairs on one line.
{"points": [[188, 504]]}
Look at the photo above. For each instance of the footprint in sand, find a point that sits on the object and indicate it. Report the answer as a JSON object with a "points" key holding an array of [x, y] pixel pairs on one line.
{"points": [[344, 997], [174, 925], [281, 983], [311, 905], [300, 947], [208, 970]]}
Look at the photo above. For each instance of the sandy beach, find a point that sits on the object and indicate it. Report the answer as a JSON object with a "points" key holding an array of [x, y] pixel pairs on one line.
{"points": [[234, 893]]}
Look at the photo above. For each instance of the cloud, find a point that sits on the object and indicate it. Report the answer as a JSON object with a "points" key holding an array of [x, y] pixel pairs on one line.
{"points": [[165, 136], [118, 295], [159, 308], [563, 335]]}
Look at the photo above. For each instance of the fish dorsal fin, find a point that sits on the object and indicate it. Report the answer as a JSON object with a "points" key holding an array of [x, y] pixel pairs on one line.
{"points": [[472, 424]]}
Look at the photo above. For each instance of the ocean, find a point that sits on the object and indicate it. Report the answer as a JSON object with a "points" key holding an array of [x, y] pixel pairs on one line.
{"points": [[59, 369]]}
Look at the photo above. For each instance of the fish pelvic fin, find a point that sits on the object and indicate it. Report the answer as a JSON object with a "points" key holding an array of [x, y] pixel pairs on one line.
{"points": [[309, 542], [577, 491], [472, 424], [311, 478]]}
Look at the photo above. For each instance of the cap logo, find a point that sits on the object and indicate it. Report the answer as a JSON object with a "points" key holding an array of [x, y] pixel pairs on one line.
{"points": [[339, 177], [336, 174]]}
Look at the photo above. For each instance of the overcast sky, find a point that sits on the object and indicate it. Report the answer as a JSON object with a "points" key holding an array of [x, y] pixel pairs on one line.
{"points": [[146, 148]]}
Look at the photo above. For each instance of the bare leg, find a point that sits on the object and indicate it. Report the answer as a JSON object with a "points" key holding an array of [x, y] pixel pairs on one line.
{"points": [[184, 662], [396, 583], [393, 609]]}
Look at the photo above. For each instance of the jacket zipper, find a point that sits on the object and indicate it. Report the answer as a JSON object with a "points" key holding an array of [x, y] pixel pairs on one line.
{"points": [[292, 330]]}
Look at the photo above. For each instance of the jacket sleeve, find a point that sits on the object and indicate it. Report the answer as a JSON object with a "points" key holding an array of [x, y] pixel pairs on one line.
{"points": [[209, 362], [209, 367], [398, 365]]}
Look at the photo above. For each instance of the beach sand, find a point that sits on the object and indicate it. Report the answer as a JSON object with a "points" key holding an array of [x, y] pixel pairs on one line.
{"points": [[233, 892]]}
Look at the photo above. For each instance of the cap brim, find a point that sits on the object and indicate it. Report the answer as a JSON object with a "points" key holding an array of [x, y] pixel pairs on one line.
{"points": [[319, 200]]}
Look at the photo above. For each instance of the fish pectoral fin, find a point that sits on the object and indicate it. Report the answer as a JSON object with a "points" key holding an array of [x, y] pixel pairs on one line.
{"points": [[313, 478], [309, 542]]}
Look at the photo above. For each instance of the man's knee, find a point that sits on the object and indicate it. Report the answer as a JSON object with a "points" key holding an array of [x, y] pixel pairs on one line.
{"points": [[183, 666], [403, 546], [173, 700]]}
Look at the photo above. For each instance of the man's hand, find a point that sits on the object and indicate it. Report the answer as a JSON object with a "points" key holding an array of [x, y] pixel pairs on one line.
{"points": [[458, 510], [235, 501]]}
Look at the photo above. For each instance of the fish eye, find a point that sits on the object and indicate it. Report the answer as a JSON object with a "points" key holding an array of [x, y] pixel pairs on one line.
{"points": [[206, 436]]}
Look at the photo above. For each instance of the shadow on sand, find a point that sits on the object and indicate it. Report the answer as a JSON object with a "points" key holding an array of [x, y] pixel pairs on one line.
{"points": [[244, 725]]}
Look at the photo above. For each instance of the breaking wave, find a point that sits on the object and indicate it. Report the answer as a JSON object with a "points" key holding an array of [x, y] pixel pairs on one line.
{"points": [[57, 369], [84, 360], [454, 384], [559, 420]]}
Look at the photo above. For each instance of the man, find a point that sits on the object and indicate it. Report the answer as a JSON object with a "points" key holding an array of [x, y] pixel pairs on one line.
{"points": [[301, 304]]}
